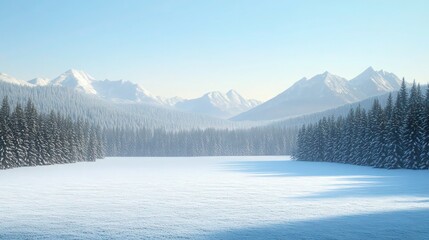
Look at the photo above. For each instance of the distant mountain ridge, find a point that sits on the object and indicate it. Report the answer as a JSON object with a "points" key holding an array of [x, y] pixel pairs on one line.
{"points": [[217, 104], [9, 79], [214, 104], [322, 92]]}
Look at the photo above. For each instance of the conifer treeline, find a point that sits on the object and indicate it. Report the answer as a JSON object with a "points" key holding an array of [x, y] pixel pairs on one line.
{"points": [[394, 136], [208, 142], [28, 138]]}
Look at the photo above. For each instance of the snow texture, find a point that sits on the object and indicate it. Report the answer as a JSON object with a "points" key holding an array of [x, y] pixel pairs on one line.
{"points": [[213, 198]]}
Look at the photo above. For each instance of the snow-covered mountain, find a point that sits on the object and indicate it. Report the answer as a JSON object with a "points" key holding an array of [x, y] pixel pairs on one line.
{"points": [[124, 91], [39, 81], [322, 92], [75, 79], [217, 104], [9, 79], [319, 93], [213, 104], [120, 90], [372, 83]]}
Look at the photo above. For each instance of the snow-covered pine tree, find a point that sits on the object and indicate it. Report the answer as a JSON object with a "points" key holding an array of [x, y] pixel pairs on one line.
{"points": [[33, 125], [7, 156], [378, 135], [92, 146], [19, 129], [42, 142], [413, 131], [72, 141], [425, 119]]}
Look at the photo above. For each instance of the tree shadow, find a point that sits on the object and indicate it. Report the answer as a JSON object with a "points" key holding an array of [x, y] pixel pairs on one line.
{"points": [[407, 224], [351, 181]]}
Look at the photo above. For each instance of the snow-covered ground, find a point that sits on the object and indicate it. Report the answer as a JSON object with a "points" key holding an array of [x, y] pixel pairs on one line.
{"points": [[213, 198]]}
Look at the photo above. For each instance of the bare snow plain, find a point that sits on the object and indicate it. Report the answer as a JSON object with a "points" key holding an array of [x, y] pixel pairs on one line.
{"points": [[213, 198]]}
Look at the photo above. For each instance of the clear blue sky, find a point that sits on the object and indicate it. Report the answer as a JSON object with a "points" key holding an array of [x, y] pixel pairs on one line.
{"points": [[186, 48]]}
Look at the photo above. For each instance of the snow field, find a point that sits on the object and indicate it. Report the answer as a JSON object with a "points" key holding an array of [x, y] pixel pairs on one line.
{"points": [[212, 198]]}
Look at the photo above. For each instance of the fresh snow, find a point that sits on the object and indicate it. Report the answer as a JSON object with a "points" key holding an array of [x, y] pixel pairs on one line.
{"points": [[213, 198]]}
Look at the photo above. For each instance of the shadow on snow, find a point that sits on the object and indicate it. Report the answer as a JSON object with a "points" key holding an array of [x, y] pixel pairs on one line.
{"points": [[353, 181], [411, 224]]}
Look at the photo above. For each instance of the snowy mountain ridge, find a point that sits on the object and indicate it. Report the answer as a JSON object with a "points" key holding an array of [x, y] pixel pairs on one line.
{"points": [[39, 81], [214, 104], [322, 92], [217, 104], [9, 79], [75, 79]]}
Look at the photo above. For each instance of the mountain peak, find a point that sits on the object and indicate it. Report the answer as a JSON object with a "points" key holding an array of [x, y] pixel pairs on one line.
{"points": [[75, 79], [232, 92], [369, 69], [234, 95], [39, 81], [9, 79], [218, 104], [214, 94], [325, 76], [372, 83], [79, 74]]}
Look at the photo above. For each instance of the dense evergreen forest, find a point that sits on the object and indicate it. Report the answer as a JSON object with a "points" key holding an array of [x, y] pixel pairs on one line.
{"points": [[394, 136], [208, 142], [28, 138]]}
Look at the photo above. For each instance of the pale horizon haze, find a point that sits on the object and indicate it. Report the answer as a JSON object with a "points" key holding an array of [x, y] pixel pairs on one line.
{"points": [[188, 48]]}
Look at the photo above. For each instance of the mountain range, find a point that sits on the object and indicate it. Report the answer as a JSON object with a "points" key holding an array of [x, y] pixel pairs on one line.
{"points": [[217, 104], [214, 104], [322, 92]]}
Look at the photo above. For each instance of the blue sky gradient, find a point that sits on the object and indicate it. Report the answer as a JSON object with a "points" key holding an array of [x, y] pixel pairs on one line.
{"points": [[187, 48]]}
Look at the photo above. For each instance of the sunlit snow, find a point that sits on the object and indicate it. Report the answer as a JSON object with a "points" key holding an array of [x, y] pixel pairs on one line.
{"points": [[213, 198]]}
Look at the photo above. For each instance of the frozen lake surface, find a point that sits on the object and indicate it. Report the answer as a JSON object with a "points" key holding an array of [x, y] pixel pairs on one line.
{"points": [[213, 198]]}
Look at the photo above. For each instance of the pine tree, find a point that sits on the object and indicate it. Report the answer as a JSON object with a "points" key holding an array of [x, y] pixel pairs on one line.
{"points": [[7, 157], [376, 128], [394, 137], [92, 147], [33, 125], [19, 129], [425, 148], [413, 132]]}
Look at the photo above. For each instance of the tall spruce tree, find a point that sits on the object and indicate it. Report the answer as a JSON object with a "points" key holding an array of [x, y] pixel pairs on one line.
{"points": [[413, 131], [7, 157], [425, 119]]}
